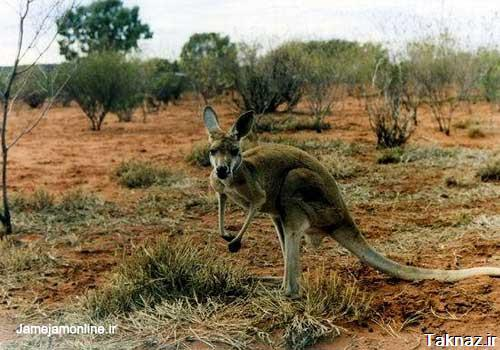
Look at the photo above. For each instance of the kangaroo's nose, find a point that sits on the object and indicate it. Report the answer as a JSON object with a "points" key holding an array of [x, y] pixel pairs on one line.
{"points": [[222, 172]]}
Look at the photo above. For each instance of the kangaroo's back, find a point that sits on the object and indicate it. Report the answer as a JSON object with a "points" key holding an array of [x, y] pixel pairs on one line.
{"points": [[270, 165]]}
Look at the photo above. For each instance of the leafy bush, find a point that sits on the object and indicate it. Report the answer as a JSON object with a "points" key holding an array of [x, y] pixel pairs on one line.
{"points": [[266, 82], [164, 82], [287, 71], [106, 82], [490, 81], [167, 270], [323, 83], [209, 60], [138, 174]]}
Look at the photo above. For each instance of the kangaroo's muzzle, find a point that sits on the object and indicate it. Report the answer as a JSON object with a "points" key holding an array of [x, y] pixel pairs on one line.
{"points": [[222, 172]]}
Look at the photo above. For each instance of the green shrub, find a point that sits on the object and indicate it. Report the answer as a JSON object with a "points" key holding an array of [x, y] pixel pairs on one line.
{"points": [[323, 83], [490, 171], [168, 270], [490, 81], [199, 154], [164, 82], [264, 83], [209, 60], [106, 82], [139, 174]]}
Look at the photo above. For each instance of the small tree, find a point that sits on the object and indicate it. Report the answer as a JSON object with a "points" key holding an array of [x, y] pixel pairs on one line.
{"points": [[265, 82], [323, 83], [209, 60], [9, 93], [389, 119], [446, 76], [286, 65], [164, 82], [106, 82], [254, 83], [104, 25], [490, 82]]}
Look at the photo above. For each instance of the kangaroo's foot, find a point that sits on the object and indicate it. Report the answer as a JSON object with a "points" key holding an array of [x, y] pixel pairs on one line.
{"points": [[292, 293]]}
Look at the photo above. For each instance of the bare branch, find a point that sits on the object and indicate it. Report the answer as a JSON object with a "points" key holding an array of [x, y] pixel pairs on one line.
{"points": [[43, 113], [42, 27]]}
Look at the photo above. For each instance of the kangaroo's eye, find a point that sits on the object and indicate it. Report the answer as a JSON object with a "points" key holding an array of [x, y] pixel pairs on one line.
{"points": [[213, 151], [234, 152]]}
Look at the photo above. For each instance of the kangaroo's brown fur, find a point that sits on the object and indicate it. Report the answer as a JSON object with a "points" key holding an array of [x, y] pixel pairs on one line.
{"points": [[300, 196]]}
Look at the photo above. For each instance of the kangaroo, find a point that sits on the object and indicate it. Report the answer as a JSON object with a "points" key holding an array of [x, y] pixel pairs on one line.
{"points": [[302, 199]]}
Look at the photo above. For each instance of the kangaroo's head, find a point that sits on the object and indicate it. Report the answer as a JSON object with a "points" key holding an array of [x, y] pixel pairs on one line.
{"points": [[225, 148]]}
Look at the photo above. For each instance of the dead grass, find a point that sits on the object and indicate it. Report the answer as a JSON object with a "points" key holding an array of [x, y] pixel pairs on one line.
{"points": [[273, 124], [342, 167], [199, 154], [167, 270], [391, 156], [174, 294], [140, 174], [490, 171], [317, 147], [16, 257], [476, 132], [48, 214]]}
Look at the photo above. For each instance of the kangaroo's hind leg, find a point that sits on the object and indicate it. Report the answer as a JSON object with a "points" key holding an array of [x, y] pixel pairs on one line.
{"points": [[294, 227], [297, 216], [278, 225]]}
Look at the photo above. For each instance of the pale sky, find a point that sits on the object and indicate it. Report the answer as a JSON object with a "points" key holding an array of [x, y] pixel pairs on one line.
{"points": [[270, 22]]}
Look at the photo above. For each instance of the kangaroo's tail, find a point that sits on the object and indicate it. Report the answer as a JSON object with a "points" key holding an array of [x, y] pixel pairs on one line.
{"points": [[352, 239]]}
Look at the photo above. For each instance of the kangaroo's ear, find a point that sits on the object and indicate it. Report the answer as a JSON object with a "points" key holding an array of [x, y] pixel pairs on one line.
{"points": [[210, 119], [243, 125]]}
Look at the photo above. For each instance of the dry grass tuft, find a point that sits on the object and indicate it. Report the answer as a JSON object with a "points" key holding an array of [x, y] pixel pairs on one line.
{"points": [[341, 167], [173, 293], [272, 123], [139, 174], [390, 156], [199, 154], [490, 171], [167, 270], [475, 132], [20, 257]]}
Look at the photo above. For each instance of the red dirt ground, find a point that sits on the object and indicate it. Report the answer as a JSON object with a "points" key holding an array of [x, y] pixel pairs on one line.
{"points": [[62, 153]]}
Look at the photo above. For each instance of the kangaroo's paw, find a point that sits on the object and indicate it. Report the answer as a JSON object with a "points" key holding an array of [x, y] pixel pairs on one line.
{"points": [[234, 246]]}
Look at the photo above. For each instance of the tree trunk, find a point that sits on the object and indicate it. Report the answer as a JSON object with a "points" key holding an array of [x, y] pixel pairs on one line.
{"points": [[6, 218]]}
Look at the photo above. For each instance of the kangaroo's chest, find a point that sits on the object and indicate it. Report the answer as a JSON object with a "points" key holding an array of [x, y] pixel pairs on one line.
{"points": [[234, 192]]}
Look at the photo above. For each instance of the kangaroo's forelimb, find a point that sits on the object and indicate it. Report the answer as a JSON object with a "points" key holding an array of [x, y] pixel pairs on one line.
{"points": [[235, 244], [222, 199]]}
